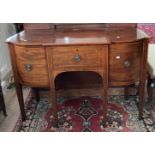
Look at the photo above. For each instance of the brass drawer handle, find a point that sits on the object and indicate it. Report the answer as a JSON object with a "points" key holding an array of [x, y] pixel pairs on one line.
{"points": [[28, 67], [77, 58], [127, 63]]}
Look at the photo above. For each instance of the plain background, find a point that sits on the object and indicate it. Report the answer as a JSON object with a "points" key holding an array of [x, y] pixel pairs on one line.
{"points": [[79, 11]]}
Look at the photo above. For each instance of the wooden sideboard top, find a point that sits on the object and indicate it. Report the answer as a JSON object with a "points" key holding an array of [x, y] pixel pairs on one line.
{"points": [[76, 37]]}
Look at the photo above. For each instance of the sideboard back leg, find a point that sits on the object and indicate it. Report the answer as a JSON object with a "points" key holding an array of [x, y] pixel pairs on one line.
{"points": [[2, 101], [3, 107], [126, 92], [36, 94], [149, 88]]}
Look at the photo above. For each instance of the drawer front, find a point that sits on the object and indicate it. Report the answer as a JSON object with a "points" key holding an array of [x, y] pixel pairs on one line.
{"points": [[125, 61], [32, 66], [91, 56]]}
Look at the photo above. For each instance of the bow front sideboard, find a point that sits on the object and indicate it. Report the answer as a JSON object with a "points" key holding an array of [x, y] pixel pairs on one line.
{"points": [[42, 53]]}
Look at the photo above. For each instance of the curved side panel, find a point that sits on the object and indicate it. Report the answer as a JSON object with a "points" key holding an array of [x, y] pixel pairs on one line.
{"points": [[125, 63], [32, 66]]}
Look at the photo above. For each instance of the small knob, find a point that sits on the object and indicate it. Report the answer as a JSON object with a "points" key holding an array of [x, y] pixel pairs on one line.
{"points": [[127, 63], [118, 57], [77, 58], [28, 67]]}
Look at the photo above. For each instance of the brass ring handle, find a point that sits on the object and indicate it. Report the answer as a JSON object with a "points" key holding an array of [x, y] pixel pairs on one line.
{"points": [[127, 63], [28, 67], [77, 58]]}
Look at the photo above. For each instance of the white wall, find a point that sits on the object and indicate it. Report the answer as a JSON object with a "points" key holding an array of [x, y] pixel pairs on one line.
{"points": [[6, 30]]}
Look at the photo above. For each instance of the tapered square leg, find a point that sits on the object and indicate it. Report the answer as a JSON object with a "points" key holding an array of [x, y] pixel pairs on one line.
{"points": [[126, 92], [54, 106], [19, 92], [105, 104], [36, 94], [2, 101], [141, 99]]}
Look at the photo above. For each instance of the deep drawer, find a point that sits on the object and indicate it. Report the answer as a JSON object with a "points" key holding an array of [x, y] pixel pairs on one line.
{"points": [[32, 66], [125, 61]]}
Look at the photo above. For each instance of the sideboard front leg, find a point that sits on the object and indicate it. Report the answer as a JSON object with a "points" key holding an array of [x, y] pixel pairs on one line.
{"points": [[52, 85], [141, 98], [54, 103], [105, 98], [105, 83], [143, 77], [19, 92]]}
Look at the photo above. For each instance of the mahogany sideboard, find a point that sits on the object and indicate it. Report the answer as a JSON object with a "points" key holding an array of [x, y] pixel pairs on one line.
{"points": [[42, 53]]}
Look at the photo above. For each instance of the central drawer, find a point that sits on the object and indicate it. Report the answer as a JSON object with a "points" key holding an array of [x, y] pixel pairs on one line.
{"points": [[91, 56]]}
